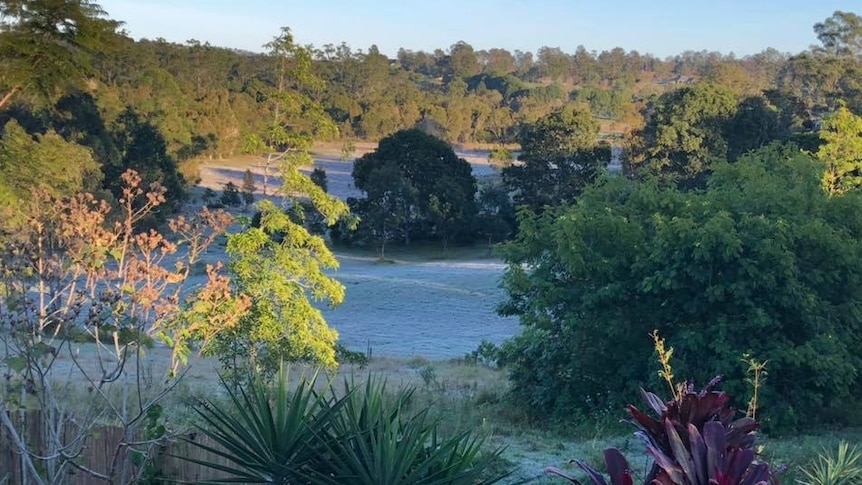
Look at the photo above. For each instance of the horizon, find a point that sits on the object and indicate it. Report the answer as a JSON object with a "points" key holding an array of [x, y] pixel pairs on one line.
{"points": [[661, 28]]}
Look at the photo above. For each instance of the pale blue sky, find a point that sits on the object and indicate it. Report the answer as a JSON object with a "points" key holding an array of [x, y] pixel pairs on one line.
{"points": [[660, 27]]}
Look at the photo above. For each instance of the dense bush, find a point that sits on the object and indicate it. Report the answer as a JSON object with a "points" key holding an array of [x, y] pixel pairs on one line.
{"points": [[762, 263]]}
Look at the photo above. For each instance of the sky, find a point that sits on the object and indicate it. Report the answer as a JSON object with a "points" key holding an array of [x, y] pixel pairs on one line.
{"points": [[660, 27]]}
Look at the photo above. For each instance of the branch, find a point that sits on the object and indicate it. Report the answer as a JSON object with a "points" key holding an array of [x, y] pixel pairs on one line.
{"points": [[19, 443], [9, 96]]}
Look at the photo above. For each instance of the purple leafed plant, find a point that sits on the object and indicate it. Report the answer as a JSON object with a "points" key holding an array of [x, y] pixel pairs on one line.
{"points": [[694, 439]]}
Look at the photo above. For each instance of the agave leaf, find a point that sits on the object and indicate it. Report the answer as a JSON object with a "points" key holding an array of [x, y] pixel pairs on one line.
{"points": [[698, 454], [618, 467], [714, 439]]}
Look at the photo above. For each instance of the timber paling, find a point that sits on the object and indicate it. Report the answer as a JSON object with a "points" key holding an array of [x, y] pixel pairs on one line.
{"points": [[99, 452]]}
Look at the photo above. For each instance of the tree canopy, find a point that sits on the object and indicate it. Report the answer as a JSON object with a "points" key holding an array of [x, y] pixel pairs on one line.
{"points": [[49, 45], [415, 187], [763, 262], [560, 155]]}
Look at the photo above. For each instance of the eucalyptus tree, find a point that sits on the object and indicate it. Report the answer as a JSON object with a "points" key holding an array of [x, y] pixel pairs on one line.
{"points": [[47, 46]]}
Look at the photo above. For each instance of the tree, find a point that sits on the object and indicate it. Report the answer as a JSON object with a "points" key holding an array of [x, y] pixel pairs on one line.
{"points": [[756, 123], [230, 196], [248, 188], [841, 151], [72, 270], [318, 176], [496, 217], [560, 155], [432, 188], [47, 45], [763, 261], [682, 138], [296, 118], [841, 34], [281, 267], [144, 149], [46, 162]]}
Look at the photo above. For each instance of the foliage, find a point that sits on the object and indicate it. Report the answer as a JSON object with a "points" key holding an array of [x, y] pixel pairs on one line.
{"points": [[496, 217], [281, 267], [46, 161], [501, 155], [360, 435], [559, 157], [143, 149], [694, 440], [318, 176], [841, 34], [841, 151], [415, 187], [762, 252], [682, 138], [101, 276], [47, 46], [842, 468], [248, 188], [230, 196]]}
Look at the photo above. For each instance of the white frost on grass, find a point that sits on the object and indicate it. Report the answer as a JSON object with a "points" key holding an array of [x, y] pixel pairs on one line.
{"points": [[436, 310]]}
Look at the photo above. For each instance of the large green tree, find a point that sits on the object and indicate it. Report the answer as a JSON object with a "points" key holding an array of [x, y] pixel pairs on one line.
{"points": [[560, 155], [762, 263], [682, 138], [46, 46], [841, 34], [44, 161], [429, 192]]}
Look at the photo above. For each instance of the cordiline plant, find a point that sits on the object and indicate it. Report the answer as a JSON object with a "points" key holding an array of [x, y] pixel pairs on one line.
{"points": [[77, 269], [694, 439]]}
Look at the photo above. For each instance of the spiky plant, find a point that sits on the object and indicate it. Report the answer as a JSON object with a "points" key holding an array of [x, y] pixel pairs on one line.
{"points": [[841, 468], [267, 434]]}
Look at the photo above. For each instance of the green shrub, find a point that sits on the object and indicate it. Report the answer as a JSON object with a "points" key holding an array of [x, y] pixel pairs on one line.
{"points": [[763, 262]]}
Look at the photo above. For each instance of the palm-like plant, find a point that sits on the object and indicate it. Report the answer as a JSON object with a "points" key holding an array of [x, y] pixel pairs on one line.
{"points": [[379, 442], [267, 434], [843, 468], [358, 436]]}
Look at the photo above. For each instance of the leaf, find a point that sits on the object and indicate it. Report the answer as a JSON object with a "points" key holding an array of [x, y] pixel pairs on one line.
{"points": [[714, 439], [654, 402], [618, 467], [17, 364], [595, 476], [560, 473], [680, 453], [698, 454]]}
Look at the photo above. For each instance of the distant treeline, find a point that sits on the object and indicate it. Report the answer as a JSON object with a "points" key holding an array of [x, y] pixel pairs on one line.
{"points": [[205, 100]]}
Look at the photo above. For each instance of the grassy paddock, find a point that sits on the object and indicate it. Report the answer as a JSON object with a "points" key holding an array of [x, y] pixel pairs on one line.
{"points": [[468, 395]]}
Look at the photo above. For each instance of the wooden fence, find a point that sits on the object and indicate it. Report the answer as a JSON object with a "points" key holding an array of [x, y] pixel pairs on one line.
{"points": [[99, 452]]}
